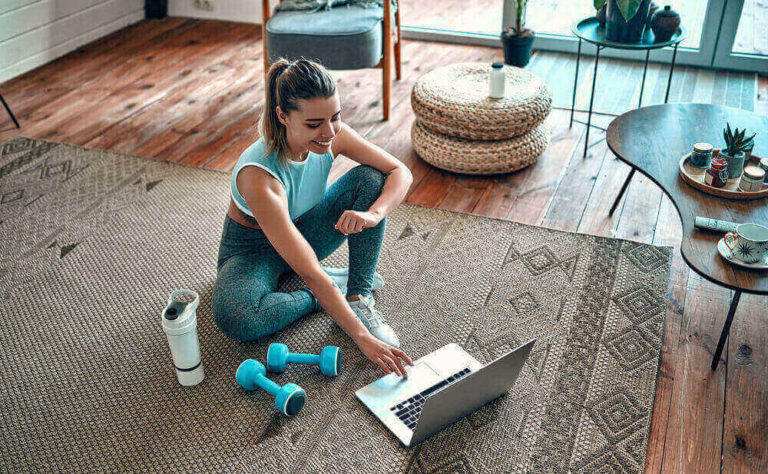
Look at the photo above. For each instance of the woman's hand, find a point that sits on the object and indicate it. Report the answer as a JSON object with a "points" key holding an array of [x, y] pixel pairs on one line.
{"points": [[352, 222], [384, 355]]}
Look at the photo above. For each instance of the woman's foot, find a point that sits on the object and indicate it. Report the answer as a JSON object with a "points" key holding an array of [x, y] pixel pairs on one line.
{"points": [[341, 275], [373, 320]]}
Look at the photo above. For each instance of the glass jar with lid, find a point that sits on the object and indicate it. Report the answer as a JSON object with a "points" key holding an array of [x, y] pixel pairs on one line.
{"points": [[717, 173], [752, 179], [764, 166], [702, 154]]}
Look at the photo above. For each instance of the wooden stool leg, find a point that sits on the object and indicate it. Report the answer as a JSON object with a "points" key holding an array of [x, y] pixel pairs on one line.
{"points": [[387, 74], [265, 17], [398, 73]]}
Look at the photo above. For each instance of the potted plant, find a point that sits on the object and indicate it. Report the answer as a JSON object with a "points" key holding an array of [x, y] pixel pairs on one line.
{"points": [[600, 15], [748, 151], [517, 40], [735, 147], [625, 19]]}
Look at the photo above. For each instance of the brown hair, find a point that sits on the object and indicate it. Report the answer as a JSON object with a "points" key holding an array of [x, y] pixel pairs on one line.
{"points": [[287, 83]]}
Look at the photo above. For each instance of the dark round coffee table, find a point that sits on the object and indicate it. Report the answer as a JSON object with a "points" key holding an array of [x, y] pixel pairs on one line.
{"points": [[652, 140]]}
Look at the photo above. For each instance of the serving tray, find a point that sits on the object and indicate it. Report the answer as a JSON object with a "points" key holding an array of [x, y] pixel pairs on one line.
{"points": [[695, 177]]}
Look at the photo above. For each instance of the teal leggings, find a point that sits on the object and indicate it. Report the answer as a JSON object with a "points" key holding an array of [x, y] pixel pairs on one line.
{"points": [[245, 304]]}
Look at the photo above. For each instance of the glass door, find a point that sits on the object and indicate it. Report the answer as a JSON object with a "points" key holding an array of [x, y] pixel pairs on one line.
{"points": [[731, 34], [743, 41], [552, 20], [461, 16], [481, 21], [458, 21]]}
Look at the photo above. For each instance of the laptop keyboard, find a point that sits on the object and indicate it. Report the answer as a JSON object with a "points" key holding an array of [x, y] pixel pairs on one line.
{"points": [[408, 411]]}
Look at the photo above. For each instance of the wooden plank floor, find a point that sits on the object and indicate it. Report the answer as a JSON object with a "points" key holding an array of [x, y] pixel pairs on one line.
{"points": [[190, 91]]}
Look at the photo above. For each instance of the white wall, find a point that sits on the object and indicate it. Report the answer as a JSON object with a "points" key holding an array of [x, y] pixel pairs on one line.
{"points": [[244, 11], [35, 32]]}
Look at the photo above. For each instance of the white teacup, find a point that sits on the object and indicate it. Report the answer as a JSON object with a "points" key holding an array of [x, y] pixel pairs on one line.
{"points": [[749, 244]]}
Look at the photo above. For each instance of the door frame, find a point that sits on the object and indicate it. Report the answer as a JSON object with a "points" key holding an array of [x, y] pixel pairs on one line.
{"points": [[724, 56]]}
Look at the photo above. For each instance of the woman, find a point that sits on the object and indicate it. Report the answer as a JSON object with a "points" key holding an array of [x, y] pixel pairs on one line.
{"points": [[281, 217]]}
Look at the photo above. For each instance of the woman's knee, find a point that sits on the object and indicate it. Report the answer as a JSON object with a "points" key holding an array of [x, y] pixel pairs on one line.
{"points": [[369, 177], [236, 317]]}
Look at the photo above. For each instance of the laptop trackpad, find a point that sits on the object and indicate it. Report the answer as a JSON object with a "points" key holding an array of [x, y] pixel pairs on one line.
{"points": [[420, 371], [381, 394]]}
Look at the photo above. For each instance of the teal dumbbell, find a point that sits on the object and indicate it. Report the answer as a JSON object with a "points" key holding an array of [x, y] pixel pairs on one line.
{"points": [[329, 359], [288, 399]]}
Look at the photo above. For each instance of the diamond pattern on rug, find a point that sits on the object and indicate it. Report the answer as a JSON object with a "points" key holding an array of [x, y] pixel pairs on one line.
{"points": [[540, 260], [647, 258], [524, 303], [92, 248], [616, 415], [630, 349], [21, 151], [606, 460], [639, 304]]}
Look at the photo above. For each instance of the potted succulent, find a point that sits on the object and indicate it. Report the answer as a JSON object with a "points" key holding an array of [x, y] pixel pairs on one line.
{"points": [[625, 19], [517, 40], [748, 151], [735, 147]]}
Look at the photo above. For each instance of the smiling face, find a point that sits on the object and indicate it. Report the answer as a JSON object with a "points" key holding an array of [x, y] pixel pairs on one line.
{"points": [[313, 126]]}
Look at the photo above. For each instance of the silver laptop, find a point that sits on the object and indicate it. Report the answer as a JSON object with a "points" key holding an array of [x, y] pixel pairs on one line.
{"points": [[442, 387]]}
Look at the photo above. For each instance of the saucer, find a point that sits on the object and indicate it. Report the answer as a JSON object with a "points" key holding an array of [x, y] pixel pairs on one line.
{"points": [[726, 254]]}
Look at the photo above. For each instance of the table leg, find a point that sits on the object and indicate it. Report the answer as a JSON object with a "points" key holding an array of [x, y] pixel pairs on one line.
{"points": [[9, 111], [575, 81], [621, 193], [591, 101], [642, 84], [671, 70], [726, 328]]}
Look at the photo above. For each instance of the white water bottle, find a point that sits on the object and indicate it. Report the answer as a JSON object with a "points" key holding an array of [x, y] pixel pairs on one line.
{"points": [[496, 81], [180, 325]]}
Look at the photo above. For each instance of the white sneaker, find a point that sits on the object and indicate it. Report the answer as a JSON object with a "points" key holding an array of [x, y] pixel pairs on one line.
{"points": [[373, 320], [341, 275]]}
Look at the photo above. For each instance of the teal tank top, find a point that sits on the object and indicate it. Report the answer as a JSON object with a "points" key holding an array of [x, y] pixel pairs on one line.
{"points": [[305, 182]]}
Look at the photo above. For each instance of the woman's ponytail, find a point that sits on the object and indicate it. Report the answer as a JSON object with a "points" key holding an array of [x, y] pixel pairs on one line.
{"points": [[269, 126], [287, 83]]}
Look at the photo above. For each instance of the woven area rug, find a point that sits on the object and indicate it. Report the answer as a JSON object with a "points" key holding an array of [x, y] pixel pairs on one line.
{"points": [[93, 243]]}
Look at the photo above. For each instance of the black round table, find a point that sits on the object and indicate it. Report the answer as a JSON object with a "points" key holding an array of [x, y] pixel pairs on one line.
{"points": [[652, 140], [591, 31]]}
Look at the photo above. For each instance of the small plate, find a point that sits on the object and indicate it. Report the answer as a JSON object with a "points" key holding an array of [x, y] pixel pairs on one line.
{"points": [[726, 254]]}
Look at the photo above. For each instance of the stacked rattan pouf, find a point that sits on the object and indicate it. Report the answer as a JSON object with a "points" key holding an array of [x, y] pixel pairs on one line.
{"points": [[459, 128]]}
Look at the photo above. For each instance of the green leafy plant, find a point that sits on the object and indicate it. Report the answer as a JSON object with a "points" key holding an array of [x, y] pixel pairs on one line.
{"points": [[735, 142], [520, 6], [519, 27], [520, 14], [628, 8]]}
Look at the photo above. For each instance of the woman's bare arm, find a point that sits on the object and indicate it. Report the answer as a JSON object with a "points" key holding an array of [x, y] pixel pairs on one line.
{"points": [[266, 199], [399, 178]]}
